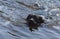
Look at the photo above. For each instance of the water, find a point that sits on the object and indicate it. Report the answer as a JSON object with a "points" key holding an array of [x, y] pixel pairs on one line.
{"points": [[12, 14]]}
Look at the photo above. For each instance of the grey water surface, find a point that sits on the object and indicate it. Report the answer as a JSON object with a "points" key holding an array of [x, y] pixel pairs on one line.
{"points": [[12, 23]]}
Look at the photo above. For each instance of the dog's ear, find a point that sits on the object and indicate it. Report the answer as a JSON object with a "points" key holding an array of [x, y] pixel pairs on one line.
{"points": [[29, 17]]}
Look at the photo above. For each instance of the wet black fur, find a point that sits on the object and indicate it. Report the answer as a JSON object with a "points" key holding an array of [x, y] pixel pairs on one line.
{"points": [[34, 24]]}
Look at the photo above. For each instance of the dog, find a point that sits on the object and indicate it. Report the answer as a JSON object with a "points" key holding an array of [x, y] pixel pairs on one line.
{"points": [[34, 22]]}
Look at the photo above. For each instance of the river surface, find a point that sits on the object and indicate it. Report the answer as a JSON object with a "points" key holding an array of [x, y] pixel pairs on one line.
{"points": [[12, 23]]}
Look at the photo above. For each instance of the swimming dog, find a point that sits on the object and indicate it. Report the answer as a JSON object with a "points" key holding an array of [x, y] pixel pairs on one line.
{"points": [[34, 21]]}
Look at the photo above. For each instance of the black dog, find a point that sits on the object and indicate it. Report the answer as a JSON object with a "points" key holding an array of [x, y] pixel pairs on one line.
{"points": [[34, 21]]}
